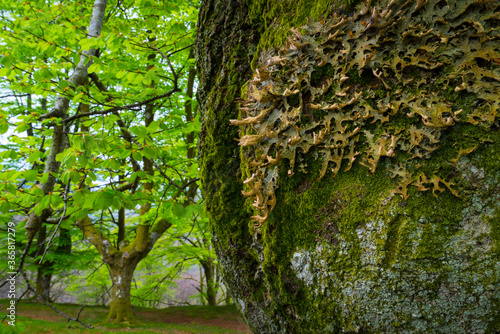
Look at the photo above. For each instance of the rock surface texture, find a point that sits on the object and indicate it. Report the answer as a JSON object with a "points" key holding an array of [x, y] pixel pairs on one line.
{"points": [[350, 158]]}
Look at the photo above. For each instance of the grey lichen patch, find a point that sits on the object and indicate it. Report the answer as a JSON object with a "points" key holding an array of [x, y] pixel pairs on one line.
{"points": [[385, 83], [301, 261], [449, 290]]}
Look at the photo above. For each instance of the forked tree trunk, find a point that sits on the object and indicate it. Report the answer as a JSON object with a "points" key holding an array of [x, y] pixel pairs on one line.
{"points": [[122, 262]]}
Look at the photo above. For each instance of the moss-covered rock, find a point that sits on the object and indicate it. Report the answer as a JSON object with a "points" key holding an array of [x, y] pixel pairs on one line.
{"points": [[370, 160]]}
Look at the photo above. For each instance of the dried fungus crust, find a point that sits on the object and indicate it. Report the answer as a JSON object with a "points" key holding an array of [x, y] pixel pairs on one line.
{"points": [[380, 83]]}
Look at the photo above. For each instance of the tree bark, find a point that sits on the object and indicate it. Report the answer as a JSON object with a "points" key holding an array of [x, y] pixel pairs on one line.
{"points": [[347, 227], [60, 110], [120, 307], [211, 291], [122, 261]]}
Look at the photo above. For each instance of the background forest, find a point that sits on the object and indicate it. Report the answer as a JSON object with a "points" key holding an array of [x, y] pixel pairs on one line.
{"points": [[98, 176]]}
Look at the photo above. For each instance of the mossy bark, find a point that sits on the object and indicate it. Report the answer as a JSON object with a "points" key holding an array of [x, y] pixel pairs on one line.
{"points": [[123, 260], [120, 308], [209, 271], [347, 253]]}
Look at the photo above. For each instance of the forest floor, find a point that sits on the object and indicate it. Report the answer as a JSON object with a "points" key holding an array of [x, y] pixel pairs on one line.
{"points": [[37, 318]]}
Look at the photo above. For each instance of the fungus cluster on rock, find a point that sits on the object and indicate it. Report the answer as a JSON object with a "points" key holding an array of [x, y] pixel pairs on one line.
{"points": [[378, 83]]}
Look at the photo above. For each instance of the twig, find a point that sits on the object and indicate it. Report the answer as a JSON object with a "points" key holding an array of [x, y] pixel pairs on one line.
{"points": [[58, 224], [30, 288], [17, 302], [23, 256], [118, 108]]}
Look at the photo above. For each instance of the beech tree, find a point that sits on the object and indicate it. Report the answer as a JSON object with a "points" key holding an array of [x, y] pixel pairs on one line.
{"points": [[102, 135], [361, 192]]}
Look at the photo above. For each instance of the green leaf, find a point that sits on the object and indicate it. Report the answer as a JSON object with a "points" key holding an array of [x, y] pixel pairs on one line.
{"points": [[44, 178], [89, 141], [90, 199], [198, 208], [140, 131], [124, 154], [78, 197], [115, 164], [121, 74], [75, 176], [44, 204], [30, 175], [67, 224], [63, 84], [65, 177], [109, 193], [55, 200], [35, 156], [178, 210], [80, 214], [82, 160], [5, 61], [5, 207], [148, 152], [103, 203], [94, 68], [77, 98], [137, 155], [77, 141]]}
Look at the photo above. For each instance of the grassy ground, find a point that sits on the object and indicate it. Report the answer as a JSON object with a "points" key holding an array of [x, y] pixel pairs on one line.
{"points": [[37, 318]]}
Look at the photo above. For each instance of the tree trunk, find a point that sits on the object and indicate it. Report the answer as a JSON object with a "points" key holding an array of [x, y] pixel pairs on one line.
{"points": [[44, 271], [46, 268], [43, 278], [368, 159], [122, 261], [61, 107], [120, 307], [211, 293]]}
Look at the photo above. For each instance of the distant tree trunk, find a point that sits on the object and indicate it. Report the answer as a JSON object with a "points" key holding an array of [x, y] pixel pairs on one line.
{"points": [[211, 290], [46, 268], [43, 279], [363, 195], [122, 261], [44, 271]]}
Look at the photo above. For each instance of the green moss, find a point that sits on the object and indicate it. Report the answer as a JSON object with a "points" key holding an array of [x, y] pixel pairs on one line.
{"points": [[278, 17], [321, 73], [355, 78]]}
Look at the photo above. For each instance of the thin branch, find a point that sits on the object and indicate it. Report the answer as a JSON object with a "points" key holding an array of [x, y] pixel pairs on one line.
{"points": [[13, 95], [118, 108], [30, 288], [22, 258], [58, 224], [17, 302]]}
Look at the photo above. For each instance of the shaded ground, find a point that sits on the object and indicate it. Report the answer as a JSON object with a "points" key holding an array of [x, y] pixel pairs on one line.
{"points": [[36, 318], [221, 316]]}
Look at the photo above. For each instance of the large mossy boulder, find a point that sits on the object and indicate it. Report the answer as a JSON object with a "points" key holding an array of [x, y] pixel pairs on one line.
{"points": [[350, 158]]}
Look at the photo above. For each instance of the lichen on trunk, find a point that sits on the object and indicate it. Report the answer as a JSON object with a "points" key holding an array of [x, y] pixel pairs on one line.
{"points": [[120, 307], [370, 159]]}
